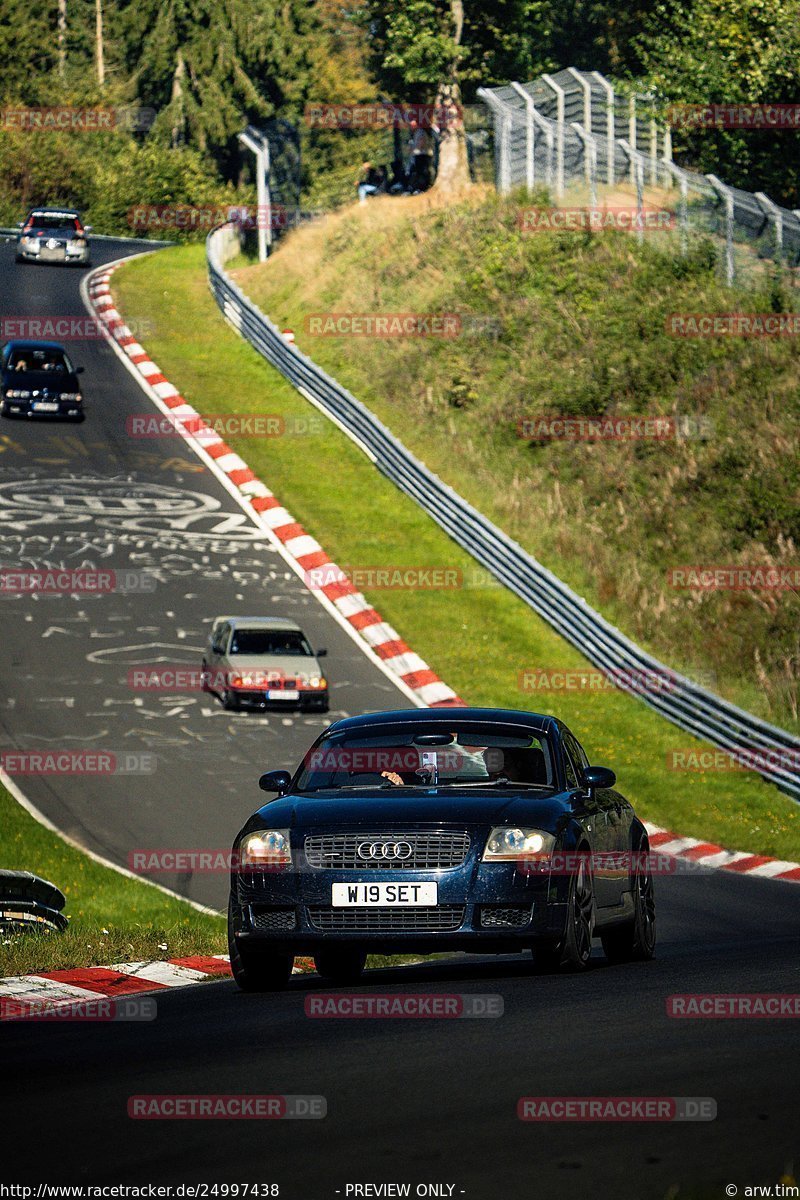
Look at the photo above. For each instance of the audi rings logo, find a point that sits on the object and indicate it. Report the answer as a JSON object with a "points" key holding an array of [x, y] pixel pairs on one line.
{"points": [[385, 850]]}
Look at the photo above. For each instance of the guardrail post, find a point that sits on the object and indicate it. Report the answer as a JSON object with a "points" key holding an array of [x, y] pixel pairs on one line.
{"points": [[776, 216], [727, 196], [559, 94], [610, 133]]}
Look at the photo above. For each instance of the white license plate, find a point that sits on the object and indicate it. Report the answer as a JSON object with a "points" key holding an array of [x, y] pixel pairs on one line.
{"points": [[384, 895], [45, 406], [283, 694]]}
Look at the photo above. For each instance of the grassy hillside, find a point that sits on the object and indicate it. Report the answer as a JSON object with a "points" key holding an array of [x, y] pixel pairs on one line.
{"points": [[577, 325], [479, 638]]}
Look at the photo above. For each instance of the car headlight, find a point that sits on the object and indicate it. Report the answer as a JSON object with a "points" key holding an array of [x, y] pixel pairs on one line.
{"points": [[507, 843], [30, 241], [316, 681], [17, 394], [264, 849]]}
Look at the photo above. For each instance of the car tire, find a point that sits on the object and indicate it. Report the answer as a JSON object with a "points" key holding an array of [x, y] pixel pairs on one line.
{"points": [[229, 700], [340, 966], [635, 941], [257, 971], [573, 951]]}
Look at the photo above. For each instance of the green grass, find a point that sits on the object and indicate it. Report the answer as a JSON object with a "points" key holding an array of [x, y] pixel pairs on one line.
{"points": [[581, 330], [478, 638], [112, 918]]}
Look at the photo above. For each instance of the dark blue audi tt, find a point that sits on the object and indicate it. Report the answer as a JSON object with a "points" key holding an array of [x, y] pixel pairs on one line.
{"points": [[429, 830]]}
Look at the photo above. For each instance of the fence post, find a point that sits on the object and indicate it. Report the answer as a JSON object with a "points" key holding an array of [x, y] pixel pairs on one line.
{"points": [[727, 195], [256, 141], [558, 92], [776, 216], [632, 133], [683, 211], [637, 171], [530, 148], [502, 129], [585, 87], [653, 145], [590, 155], [610, 133], [667, 157]]}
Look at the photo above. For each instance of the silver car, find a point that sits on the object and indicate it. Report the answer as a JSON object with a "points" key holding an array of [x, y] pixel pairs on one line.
{"points": [[53, 235], [263, 662]]}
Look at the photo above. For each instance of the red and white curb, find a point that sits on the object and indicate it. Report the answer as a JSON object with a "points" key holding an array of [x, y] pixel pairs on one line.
{"points": [[37, 995], [417, 678], [60, 990], [709, 855]]}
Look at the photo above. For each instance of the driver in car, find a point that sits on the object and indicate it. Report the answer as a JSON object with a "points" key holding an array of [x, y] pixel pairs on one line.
{"points": [[447, 762]]}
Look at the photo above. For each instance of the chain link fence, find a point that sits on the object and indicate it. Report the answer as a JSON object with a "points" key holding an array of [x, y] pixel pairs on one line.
{"points": [[575, 127]]}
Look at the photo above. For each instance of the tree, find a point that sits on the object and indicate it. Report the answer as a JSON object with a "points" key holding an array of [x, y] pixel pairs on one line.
{"points": [[439, 50], [731, 52]]}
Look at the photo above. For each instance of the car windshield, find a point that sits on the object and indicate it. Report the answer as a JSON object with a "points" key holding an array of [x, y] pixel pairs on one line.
{"points": [[278, 642], [456, 755], [51, 221], [29, 359]]}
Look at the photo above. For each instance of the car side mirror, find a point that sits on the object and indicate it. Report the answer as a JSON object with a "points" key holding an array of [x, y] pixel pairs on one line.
{"points": [[275, 781], [88, 228], [322, 652], [20, 224], [79, 370], [598, 777]]}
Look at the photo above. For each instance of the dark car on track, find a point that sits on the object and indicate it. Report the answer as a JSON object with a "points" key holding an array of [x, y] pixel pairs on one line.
{"points": [[422, 831], [38, 379], [53, 235]]}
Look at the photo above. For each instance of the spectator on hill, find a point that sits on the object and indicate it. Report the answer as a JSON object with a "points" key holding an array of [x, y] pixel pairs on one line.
{"points": [[371, 181], [420, 146]]}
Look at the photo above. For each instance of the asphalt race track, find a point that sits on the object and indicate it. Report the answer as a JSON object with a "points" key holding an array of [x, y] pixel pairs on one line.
{"points": [[424, 1101], [408, 1101], [90, 495]]}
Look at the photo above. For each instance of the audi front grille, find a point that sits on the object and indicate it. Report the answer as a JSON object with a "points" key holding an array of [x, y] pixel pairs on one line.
{"points": [[442, 918], [393, 851]]}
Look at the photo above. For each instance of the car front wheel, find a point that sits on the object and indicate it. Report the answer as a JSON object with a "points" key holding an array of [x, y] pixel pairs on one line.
{"points": [[635, 941], [573, 951]]}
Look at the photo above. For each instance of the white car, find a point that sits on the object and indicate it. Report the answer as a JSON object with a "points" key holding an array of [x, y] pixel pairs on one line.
{"points": [[264, 662]]}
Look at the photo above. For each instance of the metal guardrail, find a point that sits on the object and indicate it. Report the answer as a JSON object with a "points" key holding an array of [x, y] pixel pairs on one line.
{"points": [[683, 702], [575, 126]]}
